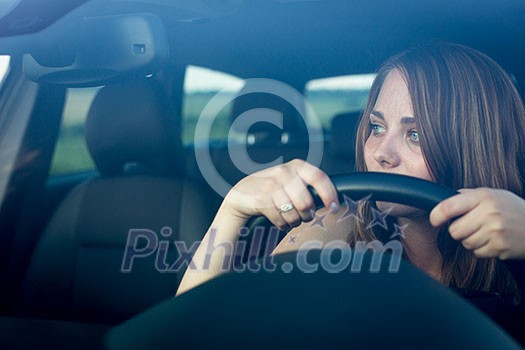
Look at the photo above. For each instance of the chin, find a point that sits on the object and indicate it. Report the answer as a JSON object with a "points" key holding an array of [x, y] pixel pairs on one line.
{"points": [[400, 210]]}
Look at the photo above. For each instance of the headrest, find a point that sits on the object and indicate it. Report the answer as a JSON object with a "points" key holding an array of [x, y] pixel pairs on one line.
{"points": [[343, 135], [254, 103], [128, 129]]}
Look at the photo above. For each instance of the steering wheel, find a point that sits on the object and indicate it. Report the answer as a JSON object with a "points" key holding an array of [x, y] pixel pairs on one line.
{"points": [[394, 188], [321, 309], [384, 187]]}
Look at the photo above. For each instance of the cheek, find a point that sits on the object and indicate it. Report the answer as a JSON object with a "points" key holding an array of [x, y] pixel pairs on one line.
{"points": [[418, 167], [424, 173]]}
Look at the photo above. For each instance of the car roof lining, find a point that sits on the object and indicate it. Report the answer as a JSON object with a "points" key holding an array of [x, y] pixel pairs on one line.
{"points": [[251, 38], [267, 38]]}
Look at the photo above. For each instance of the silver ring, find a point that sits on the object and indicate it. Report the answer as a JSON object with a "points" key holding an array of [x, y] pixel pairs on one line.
{"points": [[284, 208]]}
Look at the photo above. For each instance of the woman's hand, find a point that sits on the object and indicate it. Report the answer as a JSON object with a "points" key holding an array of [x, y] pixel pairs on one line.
{"points": [[280, 193], [490, 222]]}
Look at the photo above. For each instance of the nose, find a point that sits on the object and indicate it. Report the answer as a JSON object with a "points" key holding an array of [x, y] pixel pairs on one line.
{"points": [[386, 154]]}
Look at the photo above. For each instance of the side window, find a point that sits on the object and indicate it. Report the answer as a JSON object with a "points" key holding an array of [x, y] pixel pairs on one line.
{"points": [[331, 96], [4, 67], [200, 86], [71, 154]]}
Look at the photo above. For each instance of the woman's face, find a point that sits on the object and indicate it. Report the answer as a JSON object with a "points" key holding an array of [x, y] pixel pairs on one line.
{"points": [[393, 144]]}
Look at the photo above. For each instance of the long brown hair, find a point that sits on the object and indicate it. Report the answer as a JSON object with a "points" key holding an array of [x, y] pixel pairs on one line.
{"points": [[471, 123]]}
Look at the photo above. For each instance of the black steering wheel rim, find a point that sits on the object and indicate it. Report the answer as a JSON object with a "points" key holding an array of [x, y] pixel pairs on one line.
{"points": [[388, 187]]}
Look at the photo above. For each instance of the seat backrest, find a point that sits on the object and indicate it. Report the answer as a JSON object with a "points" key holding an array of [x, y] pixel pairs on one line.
{"points": [[268, 127], [140, 205], [341, 155]]}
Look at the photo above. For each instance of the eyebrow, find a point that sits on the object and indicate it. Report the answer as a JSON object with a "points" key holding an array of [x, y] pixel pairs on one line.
{"points": [[404, 120]]}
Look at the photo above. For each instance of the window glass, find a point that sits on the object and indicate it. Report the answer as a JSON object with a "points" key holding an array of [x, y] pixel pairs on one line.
{"points": [[6, 6], [200, 85], [4, 67], [331, 96], [71, 154]]}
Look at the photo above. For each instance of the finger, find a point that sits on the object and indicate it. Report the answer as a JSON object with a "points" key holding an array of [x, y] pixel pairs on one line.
{"points": [[453, 207], [486, 252], [291, 217], [301, 199], [476, 241], [316, 178], [466, 225], [490, 241], [493, 246], [269, 210]]}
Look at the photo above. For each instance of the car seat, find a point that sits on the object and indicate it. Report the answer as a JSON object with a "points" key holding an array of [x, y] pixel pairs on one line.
{"points": [[340, 157], [76, 270]]}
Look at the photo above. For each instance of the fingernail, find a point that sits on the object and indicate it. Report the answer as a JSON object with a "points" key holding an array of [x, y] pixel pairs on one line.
{"points": [[334, 207]]}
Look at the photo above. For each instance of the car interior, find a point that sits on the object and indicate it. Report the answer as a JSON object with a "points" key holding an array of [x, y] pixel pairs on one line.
{"points": [[100, 102]]}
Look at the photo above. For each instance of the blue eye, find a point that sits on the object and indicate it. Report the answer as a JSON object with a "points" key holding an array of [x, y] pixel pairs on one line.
{"points": [[375, 128], [413, 136]]}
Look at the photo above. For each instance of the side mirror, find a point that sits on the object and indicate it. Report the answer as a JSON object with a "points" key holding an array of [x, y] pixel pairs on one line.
{"points": [[99, 51]]}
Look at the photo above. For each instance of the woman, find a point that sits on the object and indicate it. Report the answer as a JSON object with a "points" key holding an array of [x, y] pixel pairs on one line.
{"points": [[441, 112]]}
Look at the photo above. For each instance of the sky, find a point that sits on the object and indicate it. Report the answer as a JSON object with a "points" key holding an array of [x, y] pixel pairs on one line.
{"points": [[4, 64], [348, 82], [203, 79]]}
